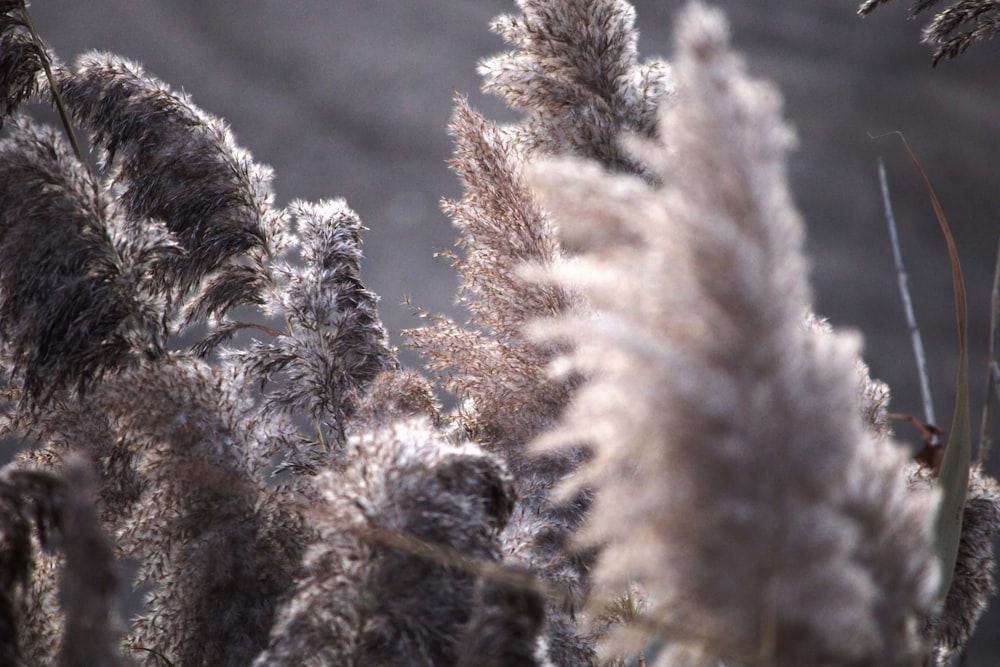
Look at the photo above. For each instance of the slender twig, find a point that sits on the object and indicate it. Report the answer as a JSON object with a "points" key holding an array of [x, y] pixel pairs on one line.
{"points": [[911, 321], [56, 97], [156, 653], [270, 331], [992, 368]]}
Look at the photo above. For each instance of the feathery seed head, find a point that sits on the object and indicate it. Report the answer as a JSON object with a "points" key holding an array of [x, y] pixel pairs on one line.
{"points": [[403, 529], [948, 629], [69, 308], [218, 543], [174, 163], [574, 70], [335, 343], [20, 60], [762, 490]]}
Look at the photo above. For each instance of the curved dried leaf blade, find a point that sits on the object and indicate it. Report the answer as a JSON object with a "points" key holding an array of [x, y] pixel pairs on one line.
{"points": [[954, 477]]}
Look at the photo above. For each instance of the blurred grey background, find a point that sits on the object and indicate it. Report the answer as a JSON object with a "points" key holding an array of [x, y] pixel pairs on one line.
{"points": [[351, 99]]}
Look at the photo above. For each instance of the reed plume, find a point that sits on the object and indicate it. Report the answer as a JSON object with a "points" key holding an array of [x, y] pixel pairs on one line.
{"points": [[71, 304], [763, 488], [954, 29], [658, 452]]}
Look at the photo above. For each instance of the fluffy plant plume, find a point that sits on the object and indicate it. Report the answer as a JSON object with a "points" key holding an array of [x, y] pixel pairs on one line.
{"points": [[16, 564], [763, 489], [638, 303], [580, 89], [402, 530], [574, 70], [39, 507], [20, 59], [72, 306], [507, 622], [498, 376], [948, 629], [954, 29], [205, 454], [172, 162], [334, 343], [90, 579]]}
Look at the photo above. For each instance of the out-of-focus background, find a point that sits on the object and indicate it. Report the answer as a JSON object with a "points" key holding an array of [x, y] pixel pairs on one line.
{"points": [[351, 99]]}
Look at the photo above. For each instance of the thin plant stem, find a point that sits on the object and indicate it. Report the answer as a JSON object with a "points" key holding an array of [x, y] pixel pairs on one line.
{"points": [[56, 97], [904, 289], [992, 369]]}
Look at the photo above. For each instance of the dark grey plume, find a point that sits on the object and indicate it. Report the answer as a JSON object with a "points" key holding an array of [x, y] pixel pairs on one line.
{"points": [[173, 162], [20, 60], [90, 578], [69, 310], [507, 623], [33, 505], [953, 29], [16, 561], [31, 510], [334, 343], [403, 530], [218, 542]]}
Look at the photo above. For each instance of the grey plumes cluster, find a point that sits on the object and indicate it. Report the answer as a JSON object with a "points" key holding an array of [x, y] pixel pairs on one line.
{"points": [[334, 343], [574, 69], [100, 271], [657, 452], [771, 525], [402, 529], [20, 59], [954, 29], [71, 305], [174, 163]]}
